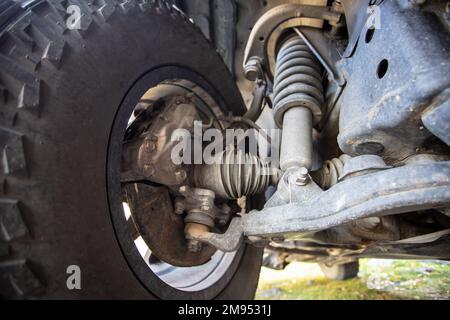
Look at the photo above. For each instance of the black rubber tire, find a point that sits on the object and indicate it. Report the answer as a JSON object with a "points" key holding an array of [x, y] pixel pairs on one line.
{"points": [[341, 271], [60, 91]]}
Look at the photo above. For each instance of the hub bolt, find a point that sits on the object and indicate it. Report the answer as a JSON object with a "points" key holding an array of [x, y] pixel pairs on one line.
{"points": [[194, 245]]}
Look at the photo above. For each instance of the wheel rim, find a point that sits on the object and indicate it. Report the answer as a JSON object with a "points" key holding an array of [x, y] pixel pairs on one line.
{"points": [[188, 279], [161, 278]]}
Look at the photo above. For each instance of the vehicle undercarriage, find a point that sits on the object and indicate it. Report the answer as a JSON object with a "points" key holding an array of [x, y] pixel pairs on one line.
{"points": [[319, 130]]}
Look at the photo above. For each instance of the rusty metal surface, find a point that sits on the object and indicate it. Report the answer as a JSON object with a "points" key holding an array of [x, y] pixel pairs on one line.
{"points": [[437, 117], [148, 157], [162, 229], [405, 66]]}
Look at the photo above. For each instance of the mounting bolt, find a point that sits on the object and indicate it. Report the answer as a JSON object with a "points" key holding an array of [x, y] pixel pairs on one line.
{"points": [[303, 177], [194, 245], [252, 69]]}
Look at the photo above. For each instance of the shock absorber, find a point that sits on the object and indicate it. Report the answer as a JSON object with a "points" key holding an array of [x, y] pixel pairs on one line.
{"points": [[298, 101]]}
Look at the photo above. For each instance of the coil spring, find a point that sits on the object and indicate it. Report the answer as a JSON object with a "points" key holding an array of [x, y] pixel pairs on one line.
{"points": [[329, 174], [238, 174], [298, 80]]}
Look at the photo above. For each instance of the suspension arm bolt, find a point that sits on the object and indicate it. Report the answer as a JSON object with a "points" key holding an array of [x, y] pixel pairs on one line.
{"points": [[303, 178]]}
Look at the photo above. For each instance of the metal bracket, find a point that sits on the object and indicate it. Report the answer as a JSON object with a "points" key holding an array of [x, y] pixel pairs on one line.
{"points": [[271, 25], [392, 191]]}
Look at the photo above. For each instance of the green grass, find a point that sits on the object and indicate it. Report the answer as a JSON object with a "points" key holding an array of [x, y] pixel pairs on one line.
{"points": [[410, 279], [377, 280]]}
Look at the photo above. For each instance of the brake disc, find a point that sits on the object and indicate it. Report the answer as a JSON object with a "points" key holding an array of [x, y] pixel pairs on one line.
{"points": [[161, 229]]}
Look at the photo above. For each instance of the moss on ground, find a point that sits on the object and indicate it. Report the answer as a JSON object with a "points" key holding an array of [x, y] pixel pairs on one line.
{"points": [[377, 280]]}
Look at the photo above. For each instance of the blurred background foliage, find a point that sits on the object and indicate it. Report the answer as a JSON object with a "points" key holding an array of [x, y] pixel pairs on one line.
{"points": [[377, 280]]}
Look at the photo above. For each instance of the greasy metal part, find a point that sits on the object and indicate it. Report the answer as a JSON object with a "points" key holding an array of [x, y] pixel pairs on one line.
{"points": [[362, 232], [198, 205], [300, 251], [200, 208], [337, 26], [298, 81], [390, 191], [257, 105], [200, 214], [425, 158], [192, 230], [328, 175], [362, 165], [305, 15], [387, 192], [296, 143], [234, 175], [229, 122], [376, 228], [295, 185], [437, 117], [405, 75], [253, 69], [151, 208], [274, 260], [356, 15], [142, 156], [227, 242], [431, 246], [312, 251]]}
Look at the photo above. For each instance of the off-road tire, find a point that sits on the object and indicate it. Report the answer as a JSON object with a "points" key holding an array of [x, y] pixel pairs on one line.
{"points": [[60, 91]]}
